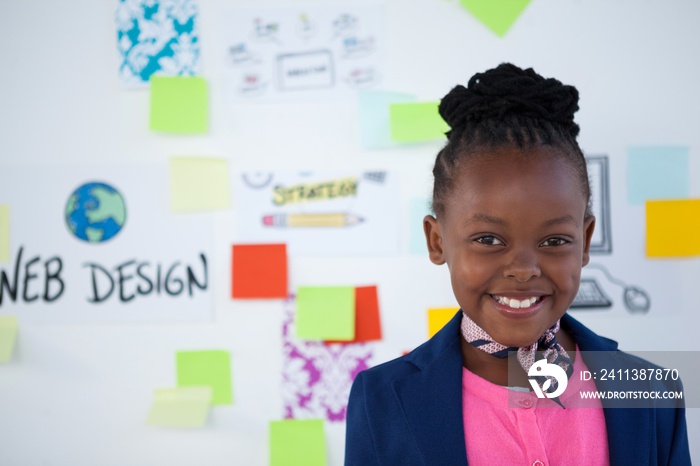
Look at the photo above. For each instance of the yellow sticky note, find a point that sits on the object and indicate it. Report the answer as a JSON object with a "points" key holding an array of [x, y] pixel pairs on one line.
{"points": [[199, 184], [8, 335], [179, 105], [4, 233], [180, 407], [673, 228], [438, 317]]}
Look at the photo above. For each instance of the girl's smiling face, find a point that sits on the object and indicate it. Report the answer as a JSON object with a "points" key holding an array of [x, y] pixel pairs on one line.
{"points": [[515, 236]]}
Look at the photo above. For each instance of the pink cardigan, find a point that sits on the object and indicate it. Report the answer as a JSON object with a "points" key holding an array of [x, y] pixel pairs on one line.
{"points": [[532, 431]]}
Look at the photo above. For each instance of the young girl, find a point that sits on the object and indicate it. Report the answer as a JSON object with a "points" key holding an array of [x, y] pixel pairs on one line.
{"points": [[513, 224]]}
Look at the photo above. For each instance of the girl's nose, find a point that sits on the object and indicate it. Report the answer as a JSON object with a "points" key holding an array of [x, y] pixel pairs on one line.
{"points": [[522, 265]]}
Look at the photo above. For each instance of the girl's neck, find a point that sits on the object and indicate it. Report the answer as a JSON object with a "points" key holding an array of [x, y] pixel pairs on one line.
{"points": [[496, 370]]}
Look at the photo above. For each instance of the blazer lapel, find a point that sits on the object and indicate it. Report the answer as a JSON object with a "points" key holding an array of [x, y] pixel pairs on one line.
{"points": [[431, 399], [621, 423]]}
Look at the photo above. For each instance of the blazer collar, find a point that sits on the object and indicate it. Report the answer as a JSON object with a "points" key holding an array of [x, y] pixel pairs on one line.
{"points": [[431, 398]]}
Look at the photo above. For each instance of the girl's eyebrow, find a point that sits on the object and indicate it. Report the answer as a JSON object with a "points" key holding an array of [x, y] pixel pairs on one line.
{"points": [[483, 218], [561, 220], [486, 219]]}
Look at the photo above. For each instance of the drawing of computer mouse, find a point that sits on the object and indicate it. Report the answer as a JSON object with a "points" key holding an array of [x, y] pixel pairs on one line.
{"points": [[636, 300]]}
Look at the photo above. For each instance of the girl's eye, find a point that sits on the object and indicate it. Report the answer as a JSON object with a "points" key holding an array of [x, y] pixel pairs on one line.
{"points": [[489, 240], [554, 242]]}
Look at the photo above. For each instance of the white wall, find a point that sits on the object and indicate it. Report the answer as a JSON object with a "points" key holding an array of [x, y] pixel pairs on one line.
{"points": [[78, 394]]}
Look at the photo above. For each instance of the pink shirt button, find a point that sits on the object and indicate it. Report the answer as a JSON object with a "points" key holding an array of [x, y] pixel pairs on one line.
{"points": [[525, 403], [538, 463]]}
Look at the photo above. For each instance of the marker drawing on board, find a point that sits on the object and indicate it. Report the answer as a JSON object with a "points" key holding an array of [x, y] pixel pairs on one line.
{"points": [[311, 220]]}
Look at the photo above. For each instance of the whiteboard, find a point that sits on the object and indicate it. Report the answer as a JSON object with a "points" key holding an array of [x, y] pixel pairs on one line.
{"points": [[79, 392]]}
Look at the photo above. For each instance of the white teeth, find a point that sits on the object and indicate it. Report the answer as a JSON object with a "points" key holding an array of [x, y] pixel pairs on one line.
{"points": [[516, 304]]}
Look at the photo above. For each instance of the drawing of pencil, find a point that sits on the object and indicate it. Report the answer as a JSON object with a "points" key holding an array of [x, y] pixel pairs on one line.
{"points": [[311, 220]]}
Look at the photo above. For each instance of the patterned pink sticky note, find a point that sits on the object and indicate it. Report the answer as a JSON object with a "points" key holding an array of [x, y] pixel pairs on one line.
{"points": [[316, 377]]}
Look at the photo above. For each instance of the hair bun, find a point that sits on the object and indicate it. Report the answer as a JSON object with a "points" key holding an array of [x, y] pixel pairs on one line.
{"points": [[509, 90]]}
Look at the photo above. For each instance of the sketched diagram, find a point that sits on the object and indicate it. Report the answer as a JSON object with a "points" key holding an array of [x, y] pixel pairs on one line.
{"points": [[264, 31], [315, 191], [289, 54], [591, 295], [598, 176], [306, 28], [257, 180], [357, 47], [305, 70], [320, 213], [241, 55], [343, 23]]}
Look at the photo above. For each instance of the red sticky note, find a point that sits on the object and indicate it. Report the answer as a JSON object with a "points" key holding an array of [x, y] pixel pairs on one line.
{"points": [[368, 326], [259, 271]]}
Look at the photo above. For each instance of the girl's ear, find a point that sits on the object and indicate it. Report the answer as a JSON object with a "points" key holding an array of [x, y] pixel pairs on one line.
{"points": [[588, 227], [433, 237]]}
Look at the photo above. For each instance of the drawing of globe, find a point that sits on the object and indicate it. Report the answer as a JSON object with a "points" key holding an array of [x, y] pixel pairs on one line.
{"points": [[95, 212]]}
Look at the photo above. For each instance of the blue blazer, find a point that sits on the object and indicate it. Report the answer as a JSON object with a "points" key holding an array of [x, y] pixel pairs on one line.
{"points": [[409, 411]]}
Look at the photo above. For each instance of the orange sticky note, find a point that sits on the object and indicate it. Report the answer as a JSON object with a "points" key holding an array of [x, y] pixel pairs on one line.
{"points": [[673, 228], [259, 271], [438, 317], [368, 326]]}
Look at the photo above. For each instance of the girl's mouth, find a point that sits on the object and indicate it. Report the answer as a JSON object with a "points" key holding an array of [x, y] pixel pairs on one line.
{"points": [[512, 303]]}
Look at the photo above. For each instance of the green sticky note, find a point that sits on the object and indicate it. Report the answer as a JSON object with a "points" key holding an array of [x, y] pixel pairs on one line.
{"points": [[415, 122], [297, 443], [199, 184], [179, 105], [4, 233], [206, 368], [180, 407], [8, 336], [497, 15], [325, 313]]}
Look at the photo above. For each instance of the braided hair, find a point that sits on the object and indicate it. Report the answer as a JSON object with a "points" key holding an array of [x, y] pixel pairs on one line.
{"points": [[507, 106]]}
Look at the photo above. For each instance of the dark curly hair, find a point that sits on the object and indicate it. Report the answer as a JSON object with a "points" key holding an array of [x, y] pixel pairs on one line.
{"points": [[507, 106]]}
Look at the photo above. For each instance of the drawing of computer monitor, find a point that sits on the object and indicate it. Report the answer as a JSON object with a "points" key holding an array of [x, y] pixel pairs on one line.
{"points": [[601, 242], [590, 294]]}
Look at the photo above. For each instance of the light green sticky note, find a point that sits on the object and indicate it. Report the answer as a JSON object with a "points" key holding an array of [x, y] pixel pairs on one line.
{"points": [[180, 407], [211, 368], [8, 336], [179, 105], [325, 313], [415, 122], [297, 443], [4, 232], [199, 184], [497, 15]]}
